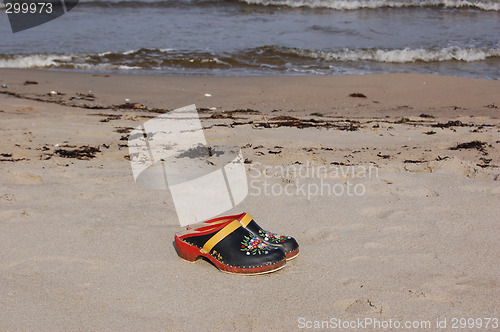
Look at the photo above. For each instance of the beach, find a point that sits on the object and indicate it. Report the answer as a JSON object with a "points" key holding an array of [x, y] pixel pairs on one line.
{"points": [[264, 38], [393, 200]]}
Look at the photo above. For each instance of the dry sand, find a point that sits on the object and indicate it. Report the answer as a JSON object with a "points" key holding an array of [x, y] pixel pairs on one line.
{"points": [[82, 247]]}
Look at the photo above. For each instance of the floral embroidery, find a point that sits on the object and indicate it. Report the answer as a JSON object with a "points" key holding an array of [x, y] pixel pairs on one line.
{"points": [[254, 246], [272, 237]]}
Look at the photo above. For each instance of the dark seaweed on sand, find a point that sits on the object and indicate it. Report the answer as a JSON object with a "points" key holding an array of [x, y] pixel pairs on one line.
{"points": [[8, 157], [83, 152], [123, 130], [129, 106], [290, 121], [449, 124], [470, 145], [383, 156], [357, 95]]}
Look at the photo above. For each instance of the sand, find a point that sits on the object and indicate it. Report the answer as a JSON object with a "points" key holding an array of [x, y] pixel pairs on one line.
{"points": [[82, 247]]}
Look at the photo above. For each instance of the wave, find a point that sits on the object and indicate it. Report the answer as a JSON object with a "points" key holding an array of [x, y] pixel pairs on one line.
{"points": [[256, 60], [33, 61], [63, 61], [145, 58], [374, 4], [406, 55], [486, 5]]}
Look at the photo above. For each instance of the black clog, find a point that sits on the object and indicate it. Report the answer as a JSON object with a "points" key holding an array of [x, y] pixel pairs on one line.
{"points": [[287, 243], [230, 247]]}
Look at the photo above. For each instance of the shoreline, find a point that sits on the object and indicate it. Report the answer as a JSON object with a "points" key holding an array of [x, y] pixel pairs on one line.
{"points": [[421, 91]]}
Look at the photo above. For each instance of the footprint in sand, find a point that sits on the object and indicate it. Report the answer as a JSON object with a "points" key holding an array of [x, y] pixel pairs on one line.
{"points": [[26, 109], [9, 215], [90, 263], [313, 235], [400, 228], [20, 177], [363, 306], [375, 245], [379, 212], [457, 166], [8, 197], [415, 192]]}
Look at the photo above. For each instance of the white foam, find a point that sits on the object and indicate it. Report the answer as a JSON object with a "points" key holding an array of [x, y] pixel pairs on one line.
{"points": [[55, 61], [124, 67], [34, 61], [129, 52], [372, 4], [406, 55], [104, 53], [104, 66]]}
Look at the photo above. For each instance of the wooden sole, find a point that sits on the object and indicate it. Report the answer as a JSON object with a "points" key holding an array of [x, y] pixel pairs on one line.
{"points": [[292, 255], [192, 253]]}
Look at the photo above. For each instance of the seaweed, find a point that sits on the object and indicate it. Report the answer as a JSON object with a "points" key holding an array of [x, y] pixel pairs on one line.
{"points": [[8, 157], [383, 156], [403, 120], [357, 95], [123, 130], [456, 123], [247, 111], [470, 145], [411, 161], [109, 117], [53, 101], [285, 118], [290, 121], [221, 116], [83, 96], [129, 106]]}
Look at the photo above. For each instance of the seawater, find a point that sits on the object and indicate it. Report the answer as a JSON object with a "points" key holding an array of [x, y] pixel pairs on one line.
{"points": [[264, 37]]}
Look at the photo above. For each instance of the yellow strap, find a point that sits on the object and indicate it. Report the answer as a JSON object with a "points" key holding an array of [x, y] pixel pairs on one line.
{"points": [[246, 220], [219, 236]]}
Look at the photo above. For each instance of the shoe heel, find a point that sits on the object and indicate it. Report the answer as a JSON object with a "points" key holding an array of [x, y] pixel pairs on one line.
{"points": [[186, 251]]}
